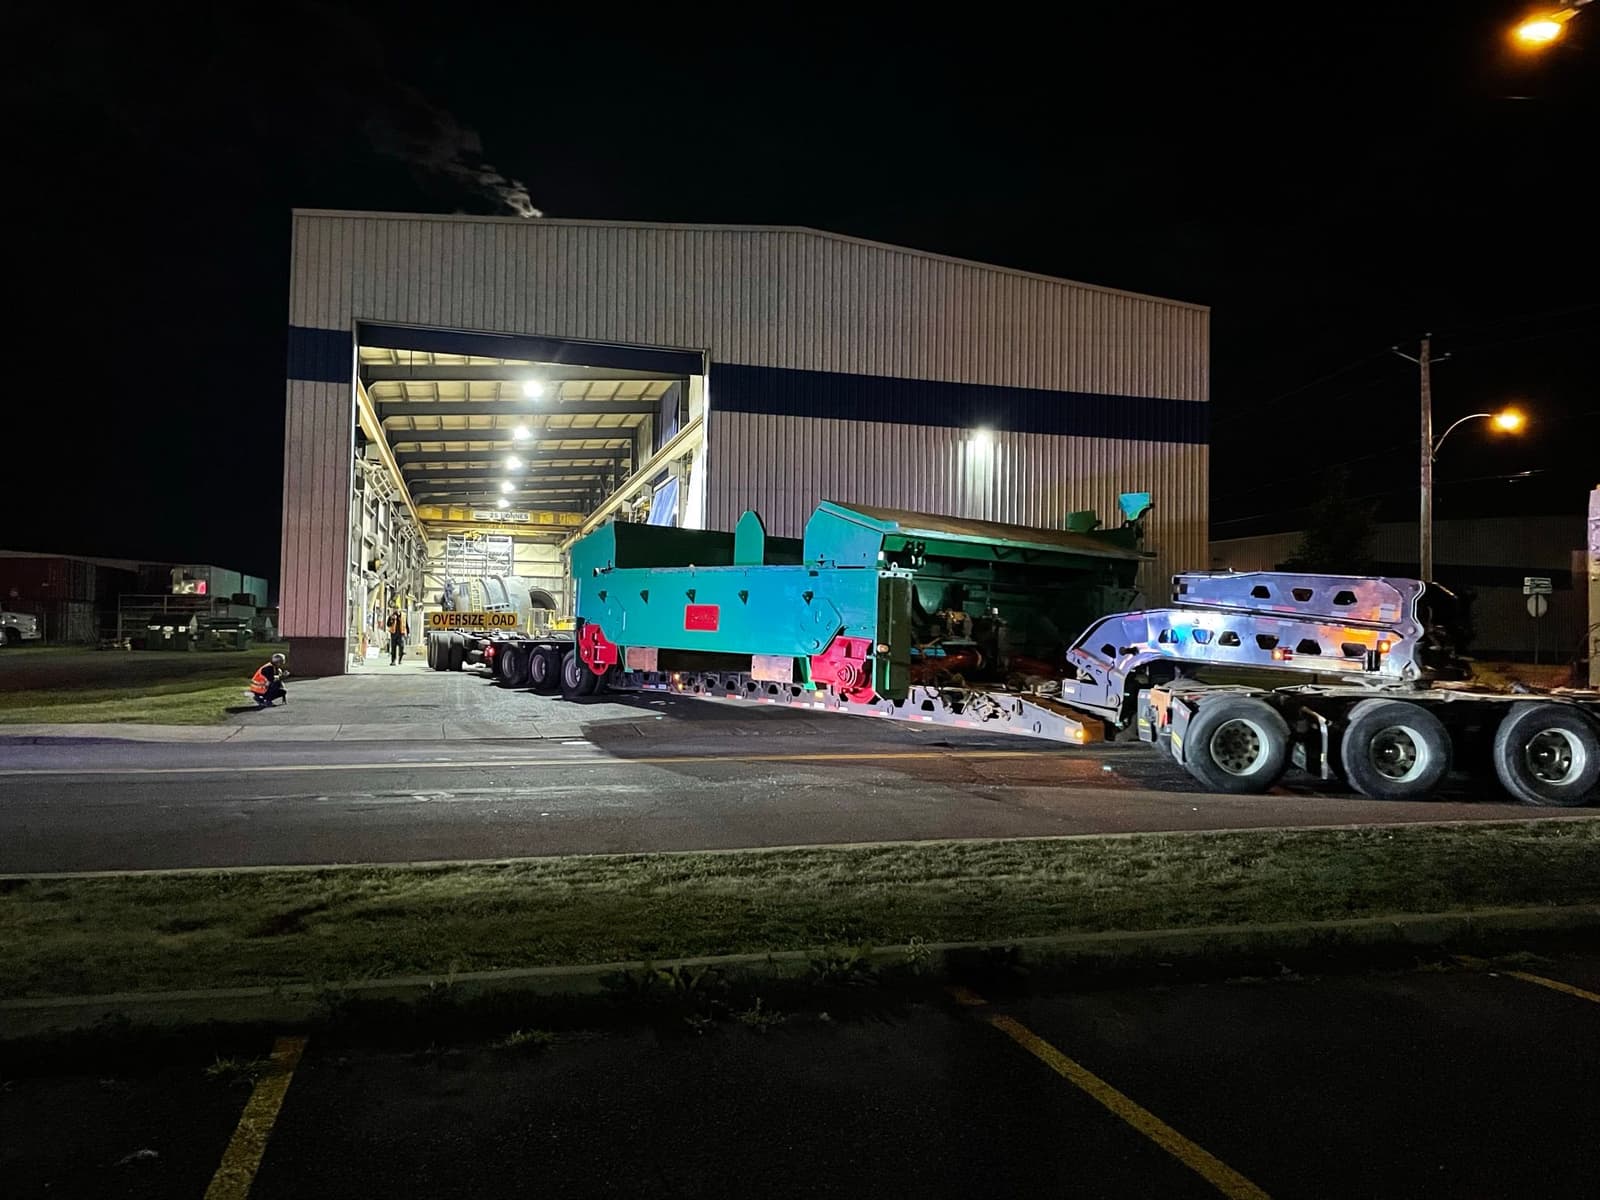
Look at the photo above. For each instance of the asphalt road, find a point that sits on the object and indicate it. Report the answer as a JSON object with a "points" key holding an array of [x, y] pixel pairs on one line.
{"points": [[691, 776], [1435, 1082]]}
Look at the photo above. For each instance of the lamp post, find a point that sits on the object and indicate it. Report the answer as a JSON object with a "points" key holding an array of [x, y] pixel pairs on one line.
{"points": [[1543, 27], [1507, 420]]}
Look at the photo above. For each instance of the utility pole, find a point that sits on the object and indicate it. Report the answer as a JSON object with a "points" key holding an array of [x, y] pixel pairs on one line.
{"points": [[1424, 361], [1425, 521]]}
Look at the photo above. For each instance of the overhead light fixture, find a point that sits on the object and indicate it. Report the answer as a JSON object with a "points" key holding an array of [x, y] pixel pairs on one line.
{"points": [[508, 486], [520, 433], [982, 437], [513, 463], [532, 389], [502, 503]]}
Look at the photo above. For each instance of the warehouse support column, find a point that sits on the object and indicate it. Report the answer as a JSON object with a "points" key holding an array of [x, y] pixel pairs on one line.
{"points": [[319, 452]]}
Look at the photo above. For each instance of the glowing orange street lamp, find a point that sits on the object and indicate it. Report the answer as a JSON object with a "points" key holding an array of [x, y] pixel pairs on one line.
{"points": [[1546, 26], [1507, 420]]}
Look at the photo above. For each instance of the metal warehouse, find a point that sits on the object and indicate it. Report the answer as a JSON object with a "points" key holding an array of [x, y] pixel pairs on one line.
{"points": [[467, 395]]}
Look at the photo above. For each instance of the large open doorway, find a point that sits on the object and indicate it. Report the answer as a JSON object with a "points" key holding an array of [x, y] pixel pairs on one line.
{"points": [[480, 457]]}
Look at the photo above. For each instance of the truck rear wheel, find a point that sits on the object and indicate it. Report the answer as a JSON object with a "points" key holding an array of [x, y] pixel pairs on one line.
{"points": [[1394, 750], [1236, 744], [1548, 754], [458, 652], [433, 652], [577, 680], [544, 670]]}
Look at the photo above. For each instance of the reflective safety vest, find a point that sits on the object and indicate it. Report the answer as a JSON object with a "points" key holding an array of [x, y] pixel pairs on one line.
{"points": [[258, 682]]}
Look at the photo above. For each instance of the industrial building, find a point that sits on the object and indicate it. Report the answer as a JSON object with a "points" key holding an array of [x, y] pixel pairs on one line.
{"points": [[467, 395], [85, 599]]}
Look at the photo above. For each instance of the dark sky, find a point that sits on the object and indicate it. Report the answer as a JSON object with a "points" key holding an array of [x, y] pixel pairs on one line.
{"points": [[1331, 180]]}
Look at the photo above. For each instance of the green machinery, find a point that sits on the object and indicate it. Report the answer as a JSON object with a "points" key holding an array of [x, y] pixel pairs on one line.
{"points": [[873, 607]]}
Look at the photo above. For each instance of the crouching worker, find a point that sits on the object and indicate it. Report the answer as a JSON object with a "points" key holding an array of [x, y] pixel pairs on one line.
{"points": [[267, 683]]}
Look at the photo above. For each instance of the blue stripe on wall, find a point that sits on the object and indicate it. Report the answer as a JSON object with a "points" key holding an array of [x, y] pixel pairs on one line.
{"points": [[790, 393], [539, 349], [320, 355]]}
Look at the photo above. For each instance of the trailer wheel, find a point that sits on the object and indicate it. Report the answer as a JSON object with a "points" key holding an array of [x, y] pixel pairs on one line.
{"points": [[1236, 744], [577, 680], [515, 667], [433, 653], [1547, 754], [544, 670], [458, 652], [1394, 750]]}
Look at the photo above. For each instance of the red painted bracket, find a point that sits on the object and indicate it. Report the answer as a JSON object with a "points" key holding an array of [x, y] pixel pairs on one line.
{"points": [[847, 666]]}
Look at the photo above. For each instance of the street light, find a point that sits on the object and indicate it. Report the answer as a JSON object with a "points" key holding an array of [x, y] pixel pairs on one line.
{"points": [[1507, 420], [1545, 27]]}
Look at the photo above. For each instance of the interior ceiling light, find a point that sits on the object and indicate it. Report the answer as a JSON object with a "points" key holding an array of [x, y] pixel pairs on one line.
{"points": [[502, 503], [532, 389], [520, 432], [513, 463], [508, 486]]}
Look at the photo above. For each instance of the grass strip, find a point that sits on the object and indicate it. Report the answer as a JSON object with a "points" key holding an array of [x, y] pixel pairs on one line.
{"points": [[193, 703], [214, 929]]}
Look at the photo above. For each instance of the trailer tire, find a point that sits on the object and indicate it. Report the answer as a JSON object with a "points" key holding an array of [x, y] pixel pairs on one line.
{"points": [[1236, 744], [1548, 754], [544, 670], [513, 665], [432, 652], [1394, 750], [577, 681], [458, 652]]}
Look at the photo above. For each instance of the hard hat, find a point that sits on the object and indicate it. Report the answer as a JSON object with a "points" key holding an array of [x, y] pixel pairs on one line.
{"points": [[277, 660]]}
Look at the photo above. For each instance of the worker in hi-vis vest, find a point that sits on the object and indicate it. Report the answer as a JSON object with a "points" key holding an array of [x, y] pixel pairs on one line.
{"points": [[397, 637], [266, 685]]}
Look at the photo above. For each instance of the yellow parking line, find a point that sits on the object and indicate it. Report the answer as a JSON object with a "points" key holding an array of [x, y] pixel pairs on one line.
{"points": [[1555, 985], [1199, 1160], [242, 1158]]}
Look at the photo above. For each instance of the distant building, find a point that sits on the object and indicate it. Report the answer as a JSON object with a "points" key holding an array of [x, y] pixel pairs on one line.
{"points": [[77, 597], [1485, 558]]}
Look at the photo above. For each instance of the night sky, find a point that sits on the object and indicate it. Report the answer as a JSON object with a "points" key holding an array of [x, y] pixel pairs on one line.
{"points": [[1331, 180]]}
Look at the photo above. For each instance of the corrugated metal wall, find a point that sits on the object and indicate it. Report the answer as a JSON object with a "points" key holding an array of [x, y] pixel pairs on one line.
{"points": [[778, 298], [318, 445], [781, 467]]}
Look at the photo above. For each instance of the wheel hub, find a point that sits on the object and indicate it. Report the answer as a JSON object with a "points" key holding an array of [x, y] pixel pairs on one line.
{"points": [[1553, 756], [1237, 747], [1396, 753]]}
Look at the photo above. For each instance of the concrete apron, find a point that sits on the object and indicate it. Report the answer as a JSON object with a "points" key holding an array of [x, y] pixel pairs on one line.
{"points": [[299, 1004]]}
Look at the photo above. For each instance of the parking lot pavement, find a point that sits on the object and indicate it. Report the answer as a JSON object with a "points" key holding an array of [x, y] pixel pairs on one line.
{"points": [[1443, 1081]]}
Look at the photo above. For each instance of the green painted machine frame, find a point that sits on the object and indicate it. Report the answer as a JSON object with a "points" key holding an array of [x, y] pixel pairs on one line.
{"points": [[842, 603]]}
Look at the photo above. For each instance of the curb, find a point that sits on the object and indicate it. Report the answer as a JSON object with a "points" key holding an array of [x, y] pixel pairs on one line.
{"points": [[297, 1004]]}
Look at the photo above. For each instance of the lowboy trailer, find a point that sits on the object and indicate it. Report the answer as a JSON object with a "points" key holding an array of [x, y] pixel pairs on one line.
{"points": [[916, 617]]}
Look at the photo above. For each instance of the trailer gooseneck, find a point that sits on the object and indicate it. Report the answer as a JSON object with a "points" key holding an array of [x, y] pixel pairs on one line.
{"points": [[915, 617]]}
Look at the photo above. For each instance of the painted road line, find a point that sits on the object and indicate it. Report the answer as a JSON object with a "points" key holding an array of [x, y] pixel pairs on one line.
{"points": [[559, 760], [242, 1159], [1199, 1160], [1555, 985]]}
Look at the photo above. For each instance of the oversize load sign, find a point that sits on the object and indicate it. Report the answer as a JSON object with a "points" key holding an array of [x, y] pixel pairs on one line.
{"points": [[472, 620]]}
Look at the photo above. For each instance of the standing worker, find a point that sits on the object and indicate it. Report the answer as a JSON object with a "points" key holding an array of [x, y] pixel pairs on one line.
{"points": [[397, 636], [266, 685]]}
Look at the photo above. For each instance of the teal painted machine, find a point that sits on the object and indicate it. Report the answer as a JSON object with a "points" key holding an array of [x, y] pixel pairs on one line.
{"points": [[871, 603]]}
